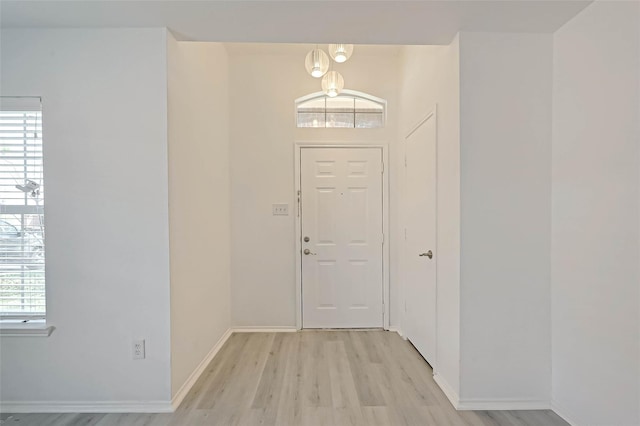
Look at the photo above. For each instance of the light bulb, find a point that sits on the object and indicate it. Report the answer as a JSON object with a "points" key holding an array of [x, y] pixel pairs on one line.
{"points": [[340, 52], [317, 63], [332, 84]]}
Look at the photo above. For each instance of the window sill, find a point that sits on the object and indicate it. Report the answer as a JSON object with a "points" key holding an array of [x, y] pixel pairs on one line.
{"points": [[18, 328]]}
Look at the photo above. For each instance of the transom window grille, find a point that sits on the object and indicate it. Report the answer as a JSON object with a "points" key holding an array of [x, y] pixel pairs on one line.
{"points": [[349, 109], [22, 269]]}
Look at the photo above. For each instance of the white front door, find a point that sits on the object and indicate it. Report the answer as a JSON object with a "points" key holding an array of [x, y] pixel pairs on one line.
{"points": [[420, 206], [341, 217]]}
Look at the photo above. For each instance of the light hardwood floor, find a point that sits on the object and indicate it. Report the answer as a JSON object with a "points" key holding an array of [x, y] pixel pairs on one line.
{"points": [[310, 378]]}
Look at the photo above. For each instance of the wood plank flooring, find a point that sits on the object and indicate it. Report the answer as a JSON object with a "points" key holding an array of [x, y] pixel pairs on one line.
{"points": [[310, 378]]}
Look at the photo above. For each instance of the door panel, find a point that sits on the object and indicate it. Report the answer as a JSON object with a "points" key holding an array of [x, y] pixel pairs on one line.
{"points": [[420, 205], [341, 199]]}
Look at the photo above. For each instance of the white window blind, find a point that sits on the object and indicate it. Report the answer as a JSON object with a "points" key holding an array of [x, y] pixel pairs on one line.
{"points": [[349, 109], [22, 277]]}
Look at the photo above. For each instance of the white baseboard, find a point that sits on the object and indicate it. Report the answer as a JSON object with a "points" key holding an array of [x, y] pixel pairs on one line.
{"points": [[503, 404], [117, 406], [132, 406], [451, 394], [86, 407], [260, 329], [397, 330], [193, 378], [567, 417]]}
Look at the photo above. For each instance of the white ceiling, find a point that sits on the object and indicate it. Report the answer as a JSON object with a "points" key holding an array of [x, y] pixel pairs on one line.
{"points": [[300, 21], [302, 49]]}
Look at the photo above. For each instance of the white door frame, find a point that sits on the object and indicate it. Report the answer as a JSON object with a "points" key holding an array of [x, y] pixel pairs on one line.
{"points": [[299, 145]]}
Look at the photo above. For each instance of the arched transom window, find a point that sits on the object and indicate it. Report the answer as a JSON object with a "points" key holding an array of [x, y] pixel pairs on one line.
{"points": [[350, 109]]}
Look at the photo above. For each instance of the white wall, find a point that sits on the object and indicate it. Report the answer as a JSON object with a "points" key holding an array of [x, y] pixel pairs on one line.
{"points": [[104, 116], [265, 81], [505, 114], [430, 77], [595, 307], [199, 202]]}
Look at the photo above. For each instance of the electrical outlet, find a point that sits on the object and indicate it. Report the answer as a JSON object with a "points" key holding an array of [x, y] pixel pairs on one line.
{"points": [[138, 349], [281, 209]]}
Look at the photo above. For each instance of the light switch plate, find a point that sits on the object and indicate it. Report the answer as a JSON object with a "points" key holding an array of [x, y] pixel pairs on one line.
{"points": [[139, 349], [281, 209]]}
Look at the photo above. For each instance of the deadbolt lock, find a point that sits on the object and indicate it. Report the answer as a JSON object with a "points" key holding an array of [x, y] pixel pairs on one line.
{"points": [[306, 239]]}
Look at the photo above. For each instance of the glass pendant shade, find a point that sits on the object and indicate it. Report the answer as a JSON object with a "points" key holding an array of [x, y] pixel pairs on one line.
{"points": [[317, 63], [340, 52], [332, 83]]}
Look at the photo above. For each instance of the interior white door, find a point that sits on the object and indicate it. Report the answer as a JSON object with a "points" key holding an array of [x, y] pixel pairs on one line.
{"points": [[420, 280], [341, 217]]}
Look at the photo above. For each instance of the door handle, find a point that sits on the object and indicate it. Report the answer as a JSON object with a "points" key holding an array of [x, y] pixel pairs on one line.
{"points": [[308, 252], [429, 254]]}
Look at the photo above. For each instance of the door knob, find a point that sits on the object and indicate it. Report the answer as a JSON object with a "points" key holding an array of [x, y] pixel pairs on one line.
{"points": [[429, 254], [308, 252]]}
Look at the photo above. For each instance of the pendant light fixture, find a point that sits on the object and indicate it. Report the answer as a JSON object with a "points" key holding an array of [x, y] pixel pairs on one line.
{"points": [[332, 83], [340, 52], [317, 63]]}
